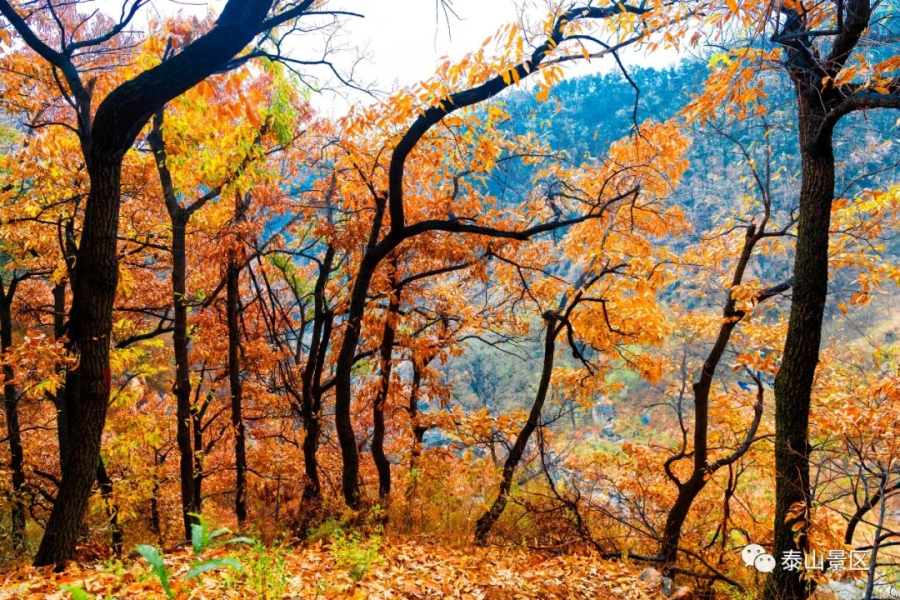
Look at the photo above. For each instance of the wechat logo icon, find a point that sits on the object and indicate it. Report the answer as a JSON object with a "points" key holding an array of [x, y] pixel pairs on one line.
{"points": [[755, 556]]}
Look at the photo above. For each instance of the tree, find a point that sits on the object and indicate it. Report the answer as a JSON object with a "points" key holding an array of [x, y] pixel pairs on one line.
{"points": [[391, 206], [105, 136]]}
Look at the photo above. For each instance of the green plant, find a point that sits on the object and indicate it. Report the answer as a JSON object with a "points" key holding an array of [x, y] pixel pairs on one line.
{"points": [[202, 539], [154, 557], [267, 573], [355, 553], [77, 592]]}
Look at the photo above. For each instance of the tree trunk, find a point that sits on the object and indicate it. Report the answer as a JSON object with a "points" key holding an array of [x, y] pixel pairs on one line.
{"points": [[87, 385], [197, 432], [13, 429], [382, 464], [794, 381], [189, 504], [59, 399], [112, 511], [233, 298], [415, 452], [484, 524]]}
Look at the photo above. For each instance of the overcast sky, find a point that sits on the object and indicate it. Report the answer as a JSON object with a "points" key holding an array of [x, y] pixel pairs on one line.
{"points": [[403, 39]]}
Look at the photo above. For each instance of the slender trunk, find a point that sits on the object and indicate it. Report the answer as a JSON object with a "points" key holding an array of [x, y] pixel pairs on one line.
{"points": [[484, 524], [59, 399], [13, 429], [415, 452], [323, 319], [343, 373], [382, 464], [876, 545], [233, 291], [794, 381], [197, 431], [189, 504], [155, 520], [94, 283], [702, 470], [112, 510]]}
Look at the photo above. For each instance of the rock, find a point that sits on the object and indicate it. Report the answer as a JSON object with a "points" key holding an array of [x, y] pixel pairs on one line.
{"points": [[651, 577], [666, 584]]}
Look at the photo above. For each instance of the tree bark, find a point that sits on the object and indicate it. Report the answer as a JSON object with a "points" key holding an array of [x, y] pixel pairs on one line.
{"points": [[382, 464], [59, 398], [702, 470], [189, 504], [311, 393], [112, 511], [484, 524], [794, 381], [232, 303], [13, 429]]}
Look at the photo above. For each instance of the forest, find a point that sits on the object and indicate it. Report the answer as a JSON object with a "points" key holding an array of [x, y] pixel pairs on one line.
{"points": [[546, 324]]}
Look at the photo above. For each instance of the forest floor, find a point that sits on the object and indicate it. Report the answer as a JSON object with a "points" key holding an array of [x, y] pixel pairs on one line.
{"points": [[357, 571]]}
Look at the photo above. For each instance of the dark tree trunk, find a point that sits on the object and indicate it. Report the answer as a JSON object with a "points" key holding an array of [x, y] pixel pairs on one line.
{"points": [[343, 383], [155, 520], [13, 429], [484, 524], [189, 504], [197, 432], [88, 385], [184, 415], [323, 319], [232, 303], [382, 464], [793, 383], [702, 470], [418, 431], [112, 511], [59, 399]]}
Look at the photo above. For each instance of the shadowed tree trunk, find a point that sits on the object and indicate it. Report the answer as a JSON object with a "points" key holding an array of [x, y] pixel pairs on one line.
{"points": [[382, 464], [59, 398], [323, 318], [418, 431], [232, 307], [484, 524], [13, 429], [794, 381], [689, 489], [112, 511]]}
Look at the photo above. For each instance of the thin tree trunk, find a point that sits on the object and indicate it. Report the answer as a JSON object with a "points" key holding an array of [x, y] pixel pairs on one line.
{"points": [[13, 429], [323, 319], [343, 387], [484, 524], [233, 298], [382, 464], [415, 452], [197, 431], [189, 504], [155, 520], [112, 510], [59, 398]]}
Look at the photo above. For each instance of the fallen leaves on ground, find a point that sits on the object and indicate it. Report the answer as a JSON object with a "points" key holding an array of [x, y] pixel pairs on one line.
{"points": [[407, 571]]}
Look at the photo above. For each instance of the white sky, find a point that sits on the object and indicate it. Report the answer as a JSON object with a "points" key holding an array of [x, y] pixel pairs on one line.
{"points": [[403, 40]]}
